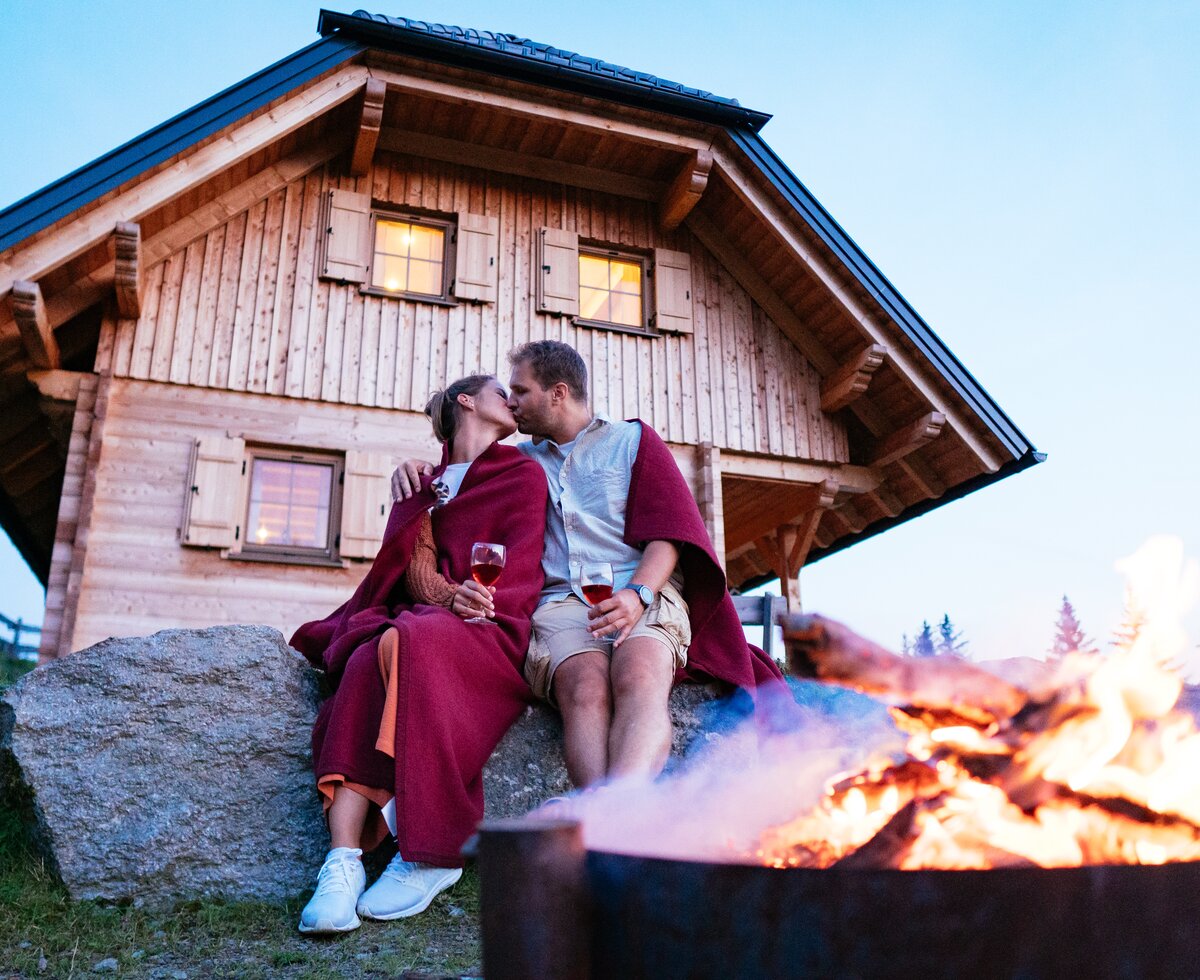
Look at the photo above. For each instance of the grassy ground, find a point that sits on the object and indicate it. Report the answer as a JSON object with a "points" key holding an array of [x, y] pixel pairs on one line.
{"points": [[44, 934]]}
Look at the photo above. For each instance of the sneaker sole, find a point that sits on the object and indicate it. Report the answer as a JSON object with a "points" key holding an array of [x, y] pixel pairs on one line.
{"points": [[450, 879], [328, 928]]}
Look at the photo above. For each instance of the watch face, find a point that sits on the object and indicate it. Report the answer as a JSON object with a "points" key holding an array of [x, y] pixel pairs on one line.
{"points": [[645, 594]]}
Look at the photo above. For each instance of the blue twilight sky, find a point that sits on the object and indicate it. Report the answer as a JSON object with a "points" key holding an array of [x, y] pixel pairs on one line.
{"points": [[1025, 173]]}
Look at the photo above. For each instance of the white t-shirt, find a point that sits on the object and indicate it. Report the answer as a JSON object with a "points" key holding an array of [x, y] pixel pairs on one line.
{"points": [[453, 476]]}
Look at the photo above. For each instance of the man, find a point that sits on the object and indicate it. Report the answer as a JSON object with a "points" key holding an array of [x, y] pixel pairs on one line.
{"points": [[616, 495]]}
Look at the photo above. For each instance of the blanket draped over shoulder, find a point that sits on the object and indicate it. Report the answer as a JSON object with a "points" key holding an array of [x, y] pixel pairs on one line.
{"points": [[458, 685], [661, 507]]}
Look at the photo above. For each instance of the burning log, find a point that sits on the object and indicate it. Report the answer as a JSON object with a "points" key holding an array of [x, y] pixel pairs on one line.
{"points": [[948, 688]]}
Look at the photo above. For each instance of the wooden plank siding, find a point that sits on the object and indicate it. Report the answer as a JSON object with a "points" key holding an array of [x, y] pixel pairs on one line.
{"points": [[137, 577], [241, 308]]}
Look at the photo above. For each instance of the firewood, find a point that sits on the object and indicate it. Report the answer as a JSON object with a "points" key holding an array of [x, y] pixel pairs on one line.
{"points": [[947, 687]]}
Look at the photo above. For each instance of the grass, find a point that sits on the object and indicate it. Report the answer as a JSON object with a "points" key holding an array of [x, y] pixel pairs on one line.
{"points": [[12, 670], [45, 934]]}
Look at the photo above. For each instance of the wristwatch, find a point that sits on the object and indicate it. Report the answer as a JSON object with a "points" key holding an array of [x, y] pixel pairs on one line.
{"points": [[644, 593]]}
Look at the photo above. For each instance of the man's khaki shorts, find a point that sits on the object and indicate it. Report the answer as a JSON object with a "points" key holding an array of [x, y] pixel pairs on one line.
{"points": [[560, 632]]}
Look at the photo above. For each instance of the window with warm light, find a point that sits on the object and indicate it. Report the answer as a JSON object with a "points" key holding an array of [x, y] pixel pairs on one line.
{"points": [[612, 289], [292, 504], [410, 256]]}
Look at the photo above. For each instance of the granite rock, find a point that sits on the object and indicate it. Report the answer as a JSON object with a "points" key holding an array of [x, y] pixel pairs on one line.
{"points": [[178, 766]]}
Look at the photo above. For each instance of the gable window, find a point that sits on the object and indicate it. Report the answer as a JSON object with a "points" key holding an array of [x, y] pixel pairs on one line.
{"points": [[409, 256], [291, 503], [611, 288]]}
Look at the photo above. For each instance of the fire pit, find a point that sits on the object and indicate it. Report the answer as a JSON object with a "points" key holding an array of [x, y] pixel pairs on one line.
{"points": [[1041, 827]]}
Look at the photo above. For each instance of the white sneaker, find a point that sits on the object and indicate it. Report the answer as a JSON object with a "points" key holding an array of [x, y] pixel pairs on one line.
{"points": [[404, 889], [339, 884]]}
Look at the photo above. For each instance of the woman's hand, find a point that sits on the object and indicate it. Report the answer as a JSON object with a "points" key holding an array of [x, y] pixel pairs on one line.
{"points": [[472, 599]]}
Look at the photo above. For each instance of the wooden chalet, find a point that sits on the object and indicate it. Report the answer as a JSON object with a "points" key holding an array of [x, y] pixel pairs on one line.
{"points": [[216, 340]]}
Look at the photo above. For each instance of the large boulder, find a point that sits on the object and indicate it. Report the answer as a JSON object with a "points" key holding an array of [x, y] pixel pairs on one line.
{"points": [[178, 765]]}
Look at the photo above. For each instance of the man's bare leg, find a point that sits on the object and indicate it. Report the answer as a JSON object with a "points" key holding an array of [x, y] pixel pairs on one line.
{"points": [[643, 670], [347, 817], [582, 691]]}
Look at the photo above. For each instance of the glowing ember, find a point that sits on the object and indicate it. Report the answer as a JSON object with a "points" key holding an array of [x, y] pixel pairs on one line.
{"points": [[1093, 766]]}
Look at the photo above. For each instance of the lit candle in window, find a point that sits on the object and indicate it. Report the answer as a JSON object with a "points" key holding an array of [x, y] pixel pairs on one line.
{"points": [[262, 533]]}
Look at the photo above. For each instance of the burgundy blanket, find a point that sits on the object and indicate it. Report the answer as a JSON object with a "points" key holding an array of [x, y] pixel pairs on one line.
{"points": [[460, 684], [661, 508]]}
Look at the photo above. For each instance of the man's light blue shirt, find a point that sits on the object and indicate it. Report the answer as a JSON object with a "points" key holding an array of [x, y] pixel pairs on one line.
{"points": [[585, 514]]}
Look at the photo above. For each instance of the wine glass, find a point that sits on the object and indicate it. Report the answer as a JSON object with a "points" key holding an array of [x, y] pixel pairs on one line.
{"points": [[487, 562], [596, 584]]}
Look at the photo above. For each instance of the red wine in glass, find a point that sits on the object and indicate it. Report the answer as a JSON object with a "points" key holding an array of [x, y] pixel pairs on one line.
{"points": [[597, 593], [596, 583], [487, 562]]}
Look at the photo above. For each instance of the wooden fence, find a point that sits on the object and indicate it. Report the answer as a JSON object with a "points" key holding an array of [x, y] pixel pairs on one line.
{"points": [[14, 649]]}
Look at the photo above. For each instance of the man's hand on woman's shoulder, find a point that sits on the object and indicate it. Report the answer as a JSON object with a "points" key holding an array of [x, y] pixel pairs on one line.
{"points": [[406, 480]]}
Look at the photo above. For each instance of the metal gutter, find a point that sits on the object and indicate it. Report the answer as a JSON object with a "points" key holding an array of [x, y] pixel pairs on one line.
{"points": [[66, 195], [525, 68], [888, 297]]}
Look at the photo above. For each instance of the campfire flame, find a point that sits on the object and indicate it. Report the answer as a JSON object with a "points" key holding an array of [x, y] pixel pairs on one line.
{"points": [[1094, 764]]}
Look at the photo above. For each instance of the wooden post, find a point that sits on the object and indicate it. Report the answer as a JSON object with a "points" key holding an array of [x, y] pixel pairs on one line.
{"points": [[685, 191], [369, 123], [128, 273], [708, 480]]}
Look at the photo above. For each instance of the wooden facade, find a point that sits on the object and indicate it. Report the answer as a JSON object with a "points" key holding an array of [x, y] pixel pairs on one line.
{"points": [[151, 334]]}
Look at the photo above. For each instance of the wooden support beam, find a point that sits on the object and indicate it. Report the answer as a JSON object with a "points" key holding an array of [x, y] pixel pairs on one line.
{"points": [[886, 501], [129, 275], [923, 477], [685, 191], [369, 121], [709, 495], [57, 385], [520, 164], [851, 479], [29, 310], [907, 440], [565, 110], [851, 379], [823, 495]]}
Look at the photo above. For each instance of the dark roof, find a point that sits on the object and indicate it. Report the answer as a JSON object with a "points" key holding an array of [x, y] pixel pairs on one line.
{"points": [[515, 56]]}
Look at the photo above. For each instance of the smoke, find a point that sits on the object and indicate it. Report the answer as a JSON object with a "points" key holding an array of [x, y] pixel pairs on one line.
{"points": [[743, 776]]}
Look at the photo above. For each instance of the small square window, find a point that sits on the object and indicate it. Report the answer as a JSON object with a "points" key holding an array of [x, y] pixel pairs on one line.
{"points": [[612, 289], [292, 504], [409, 257]]}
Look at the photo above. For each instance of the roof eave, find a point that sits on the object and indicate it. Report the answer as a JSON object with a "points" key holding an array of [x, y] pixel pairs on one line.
{"points": [[42, 208], [885, 294], [520, 68]]}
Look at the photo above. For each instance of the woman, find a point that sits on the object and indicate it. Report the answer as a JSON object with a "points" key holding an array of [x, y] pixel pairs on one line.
{"points": [[423, 696]]}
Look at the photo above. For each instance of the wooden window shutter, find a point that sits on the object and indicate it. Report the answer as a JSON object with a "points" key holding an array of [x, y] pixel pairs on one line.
{"points": [[558, 272], [347, 251], [672, 291], [213, 492], [477, 258], [366, 498]]}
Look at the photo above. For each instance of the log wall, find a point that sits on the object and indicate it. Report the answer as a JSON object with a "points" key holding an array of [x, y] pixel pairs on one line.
{"points": [[241, 309]]}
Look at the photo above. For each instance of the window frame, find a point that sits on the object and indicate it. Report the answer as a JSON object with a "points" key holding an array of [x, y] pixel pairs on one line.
{"points": [[449, 228], [249, 550], [608, 251]]}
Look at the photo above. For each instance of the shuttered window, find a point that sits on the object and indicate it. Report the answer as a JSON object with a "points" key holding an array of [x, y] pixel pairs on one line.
{"points": [[409, 256], [292, 504], [612, 289], [346, 251]]}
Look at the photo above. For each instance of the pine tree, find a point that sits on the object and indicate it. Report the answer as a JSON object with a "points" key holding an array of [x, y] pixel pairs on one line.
{"points": [[923, 645], [1069, 636], [949, 639]]}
